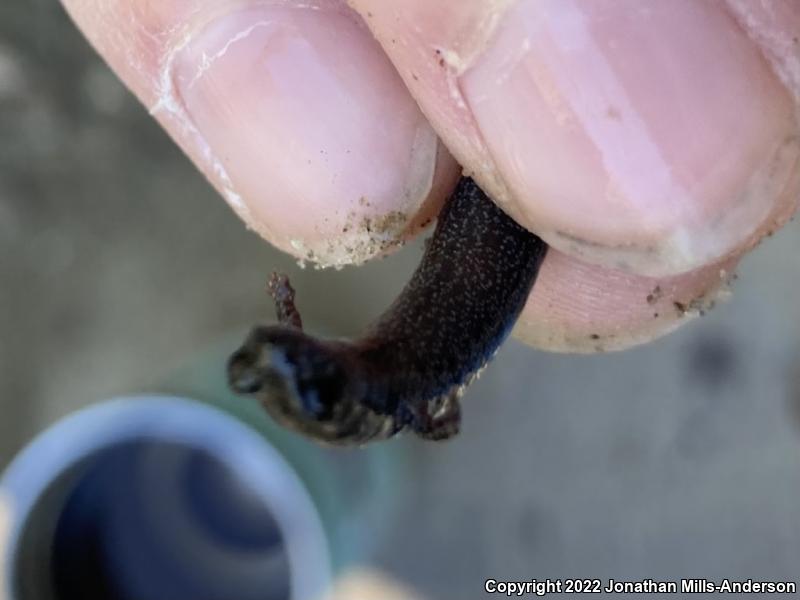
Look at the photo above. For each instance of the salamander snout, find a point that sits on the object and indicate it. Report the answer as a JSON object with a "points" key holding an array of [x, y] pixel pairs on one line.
{"points": [[244, 374]]}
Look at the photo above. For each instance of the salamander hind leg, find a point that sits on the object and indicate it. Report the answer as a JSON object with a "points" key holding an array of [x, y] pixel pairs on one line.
{"points": [[438, 419]]}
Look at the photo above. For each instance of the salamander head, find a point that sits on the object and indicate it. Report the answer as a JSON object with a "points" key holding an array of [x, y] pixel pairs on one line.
{"points": [[305, 384]]}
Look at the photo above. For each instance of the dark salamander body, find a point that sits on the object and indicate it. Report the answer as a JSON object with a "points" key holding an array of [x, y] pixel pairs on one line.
{"points": [[410, 367]]}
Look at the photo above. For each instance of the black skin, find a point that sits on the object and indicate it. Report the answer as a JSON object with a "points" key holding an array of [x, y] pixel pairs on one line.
{"points": [[411, 366]]}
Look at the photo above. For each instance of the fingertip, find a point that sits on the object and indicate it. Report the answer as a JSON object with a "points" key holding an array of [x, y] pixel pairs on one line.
{"points": [[614, 133], [313, 137], [656, 139], [583, 308], [291, 110], [338, 233]]}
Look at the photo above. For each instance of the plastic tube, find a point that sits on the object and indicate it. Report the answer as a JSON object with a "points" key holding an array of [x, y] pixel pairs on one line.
{"points": [[159, 498]]}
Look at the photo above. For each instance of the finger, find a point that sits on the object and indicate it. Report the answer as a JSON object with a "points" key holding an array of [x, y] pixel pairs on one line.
{"points": [[292, 111], [579, 307], [653, 137]]}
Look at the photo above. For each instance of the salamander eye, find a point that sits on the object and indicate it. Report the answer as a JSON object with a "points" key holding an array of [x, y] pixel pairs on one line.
{"points": [[244, 376]]}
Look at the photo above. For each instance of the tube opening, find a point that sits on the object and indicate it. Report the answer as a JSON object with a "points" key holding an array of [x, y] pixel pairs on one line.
{"points": [[149, 519]]}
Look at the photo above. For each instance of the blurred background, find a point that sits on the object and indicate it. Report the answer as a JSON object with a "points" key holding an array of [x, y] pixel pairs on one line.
{"points": [[119, 265]]}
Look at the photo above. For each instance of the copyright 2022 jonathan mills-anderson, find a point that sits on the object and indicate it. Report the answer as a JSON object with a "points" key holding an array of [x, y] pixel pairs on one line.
{"points": [[543, 587]]}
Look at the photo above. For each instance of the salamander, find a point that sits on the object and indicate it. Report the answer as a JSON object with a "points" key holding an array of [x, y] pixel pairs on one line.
{"points": [[409, 368]]}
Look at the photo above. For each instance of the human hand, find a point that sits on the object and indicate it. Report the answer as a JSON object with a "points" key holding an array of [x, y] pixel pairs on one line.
{"points": [[651, 144]]}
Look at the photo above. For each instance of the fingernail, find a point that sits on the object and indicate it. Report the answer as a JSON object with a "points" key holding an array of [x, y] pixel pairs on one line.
{"points": [[651, 137], [310, 131]]}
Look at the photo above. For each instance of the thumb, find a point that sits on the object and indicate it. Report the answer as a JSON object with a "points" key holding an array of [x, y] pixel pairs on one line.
{"points": [[290, 109], [653, 137]]}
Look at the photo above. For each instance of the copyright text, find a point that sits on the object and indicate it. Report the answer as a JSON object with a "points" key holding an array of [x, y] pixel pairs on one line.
{"points": [[544, 587]]}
